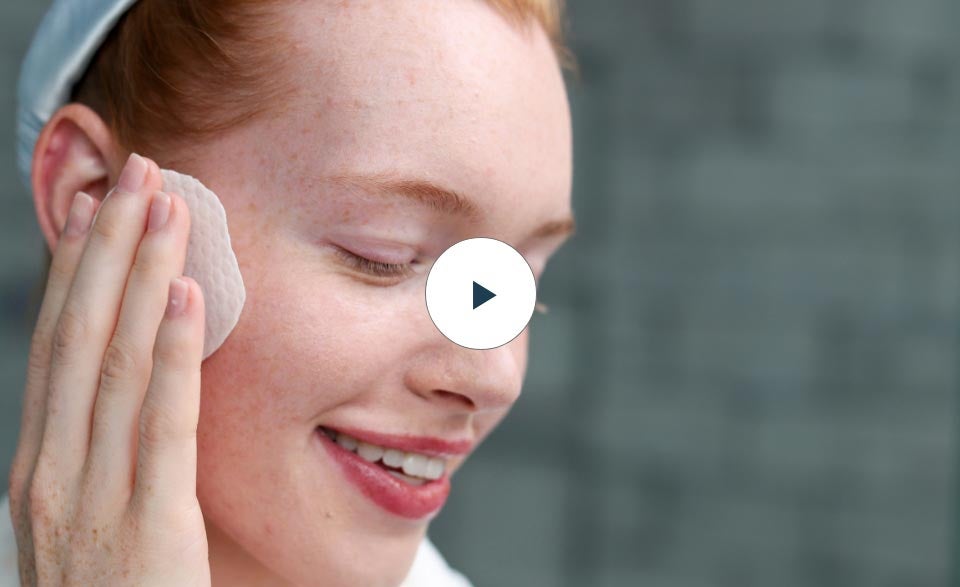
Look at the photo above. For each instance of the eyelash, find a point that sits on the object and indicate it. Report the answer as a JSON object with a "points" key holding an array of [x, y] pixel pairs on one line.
{"points": [[375, 268], [394, 270]]}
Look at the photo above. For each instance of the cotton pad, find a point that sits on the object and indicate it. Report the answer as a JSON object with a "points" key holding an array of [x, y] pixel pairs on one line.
{"points": [[210, 258]]}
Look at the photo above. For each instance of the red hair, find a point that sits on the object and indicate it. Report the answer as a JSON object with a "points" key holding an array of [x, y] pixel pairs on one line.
{"points": [[191, 68]]}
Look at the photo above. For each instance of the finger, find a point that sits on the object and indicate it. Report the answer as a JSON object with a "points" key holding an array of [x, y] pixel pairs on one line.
{"points": [[161, 257], [63, 266], [167, 447], [89, 317]]}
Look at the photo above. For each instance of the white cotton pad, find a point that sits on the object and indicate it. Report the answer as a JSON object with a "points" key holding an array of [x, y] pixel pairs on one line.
{"points": [[210, 260]]}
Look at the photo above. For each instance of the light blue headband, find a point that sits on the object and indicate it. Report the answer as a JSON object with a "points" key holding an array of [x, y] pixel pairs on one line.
{"points": [[63, 46]]}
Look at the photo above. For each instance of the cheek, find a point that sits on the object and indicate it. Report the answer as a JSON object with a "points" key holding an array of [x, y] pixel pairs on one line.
{"points": [[294, 355]]}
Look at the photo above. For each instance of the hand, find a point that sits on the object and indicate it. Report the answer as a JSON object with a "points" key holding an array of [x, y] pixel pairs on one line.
{"points": [[103, 483]]}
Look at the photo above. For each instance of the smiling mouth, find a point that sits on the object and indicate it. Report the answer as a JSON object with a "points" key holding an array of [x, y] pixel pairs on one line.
{"points": [[410, 467]]}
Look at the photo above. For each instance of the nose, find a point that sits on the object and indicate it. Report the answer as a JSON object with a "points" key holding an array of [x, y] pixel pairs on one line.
{"points": [[467, 380]]}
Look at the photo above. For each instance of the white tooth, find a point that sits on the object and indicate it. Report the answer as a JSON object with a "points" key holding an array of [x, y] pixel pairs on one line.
{"points": [[414, 464], [435, 468], [347, 442], [405, 478], [393, 458], [369, 452]]}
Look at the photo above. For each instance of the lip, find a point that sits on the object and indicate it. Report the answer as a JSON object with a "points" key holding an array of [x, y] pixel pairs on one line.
{"points": [[414, 502]]}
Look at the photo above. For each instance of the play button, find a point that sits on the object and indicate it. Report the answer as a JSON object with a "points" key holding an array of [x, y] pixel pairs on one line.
{"points": [[481, 293]]}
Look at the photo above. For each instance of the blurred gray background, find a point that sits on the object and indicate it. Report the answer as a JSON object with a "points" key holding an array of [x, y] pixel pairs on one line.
{"points": [[748, 374]]}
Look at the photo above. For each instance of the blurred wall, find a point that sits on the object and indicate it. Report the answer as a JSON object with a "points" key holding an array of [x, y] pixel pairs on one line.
{"points": [[747, 377], [21, 243]]}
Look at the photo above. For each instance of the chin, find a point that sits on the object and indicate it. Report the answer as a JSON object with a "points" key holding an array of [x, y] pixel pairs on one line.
{"points": [[292, 522]]}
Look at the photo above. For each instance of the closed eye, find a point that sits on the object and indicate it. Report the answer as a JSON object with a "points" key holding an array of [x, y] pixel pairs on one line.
{"points": [[374, 268], [395, 271]]}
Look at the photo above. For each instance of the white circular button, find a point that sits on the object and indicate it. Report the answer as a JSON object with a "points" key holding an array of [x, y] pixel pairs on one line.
{"points": [[481, 293]]}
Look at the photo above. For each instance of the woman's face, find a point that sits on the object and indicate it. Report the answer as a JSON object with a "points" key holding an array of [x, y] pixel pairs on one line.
{"points": [[395, 104]]}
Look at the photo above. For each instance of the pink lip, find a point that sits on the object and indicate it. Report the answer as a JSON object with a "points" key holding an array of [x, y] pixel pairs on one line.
{"points": [[385, 490]]}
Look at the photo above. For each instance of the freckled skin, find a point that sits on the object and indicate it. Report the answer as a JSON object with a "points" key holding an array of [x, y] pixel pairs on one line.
{"points": [[439, 90]]}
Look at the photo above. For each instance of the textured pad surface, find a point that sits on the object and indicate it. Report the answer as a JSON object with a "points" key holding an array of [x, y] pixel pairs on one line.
{"points": [[210, 258]]}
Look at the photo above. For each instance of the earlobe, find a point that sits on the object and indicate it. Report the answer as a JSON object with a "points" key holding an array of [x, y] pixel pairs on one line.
{"points": [[75, 152]]}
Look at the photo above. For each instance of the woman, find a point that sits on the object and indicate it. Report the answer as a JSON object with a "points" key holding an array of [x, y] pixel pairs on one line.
{"points": [[122, 475]]}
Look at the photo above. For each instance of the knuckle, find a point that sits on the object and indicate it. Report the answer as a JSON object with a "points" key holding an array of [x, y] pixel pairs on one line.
{"points": [[38, 501], [16, 507], [17, 478], [153, 430], [47, 500], [148, 266], [159, 426], [72, 331], [121, 363], [170, 356], [107, 227], [38, 361], [60, 271], [41, 339]]}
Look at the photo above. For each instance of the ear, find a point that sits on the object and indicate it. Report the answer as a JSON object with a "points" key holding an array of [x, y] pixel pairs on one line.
{"points": [[75, 152]]}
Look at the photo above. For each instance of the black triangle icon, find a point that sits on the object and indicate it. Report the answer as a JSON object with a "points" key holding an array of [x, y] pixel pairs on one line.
{"points": [[481, 295]]}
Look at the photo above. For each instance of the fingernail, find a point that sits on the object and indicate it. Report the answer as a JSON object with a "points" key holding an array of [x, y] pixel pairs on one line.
{"points": [[159, 212], [133, 175], [177, 301], [81, 215]]}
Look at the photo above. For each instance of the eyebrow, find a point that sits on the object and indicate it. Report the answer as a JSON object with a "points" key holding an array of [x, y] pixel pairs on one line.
{"points": [[436, 197], [565, 227]]}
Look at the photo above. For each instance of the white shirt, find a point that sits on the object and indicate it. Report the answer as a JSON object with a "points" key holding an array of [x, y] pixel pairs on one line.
{"points": [[429, 568]]}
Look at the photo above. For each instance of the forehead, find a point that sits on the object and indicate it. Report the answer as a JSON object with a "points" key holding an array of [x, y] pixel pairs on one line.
{"points": [[443, 90]]}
